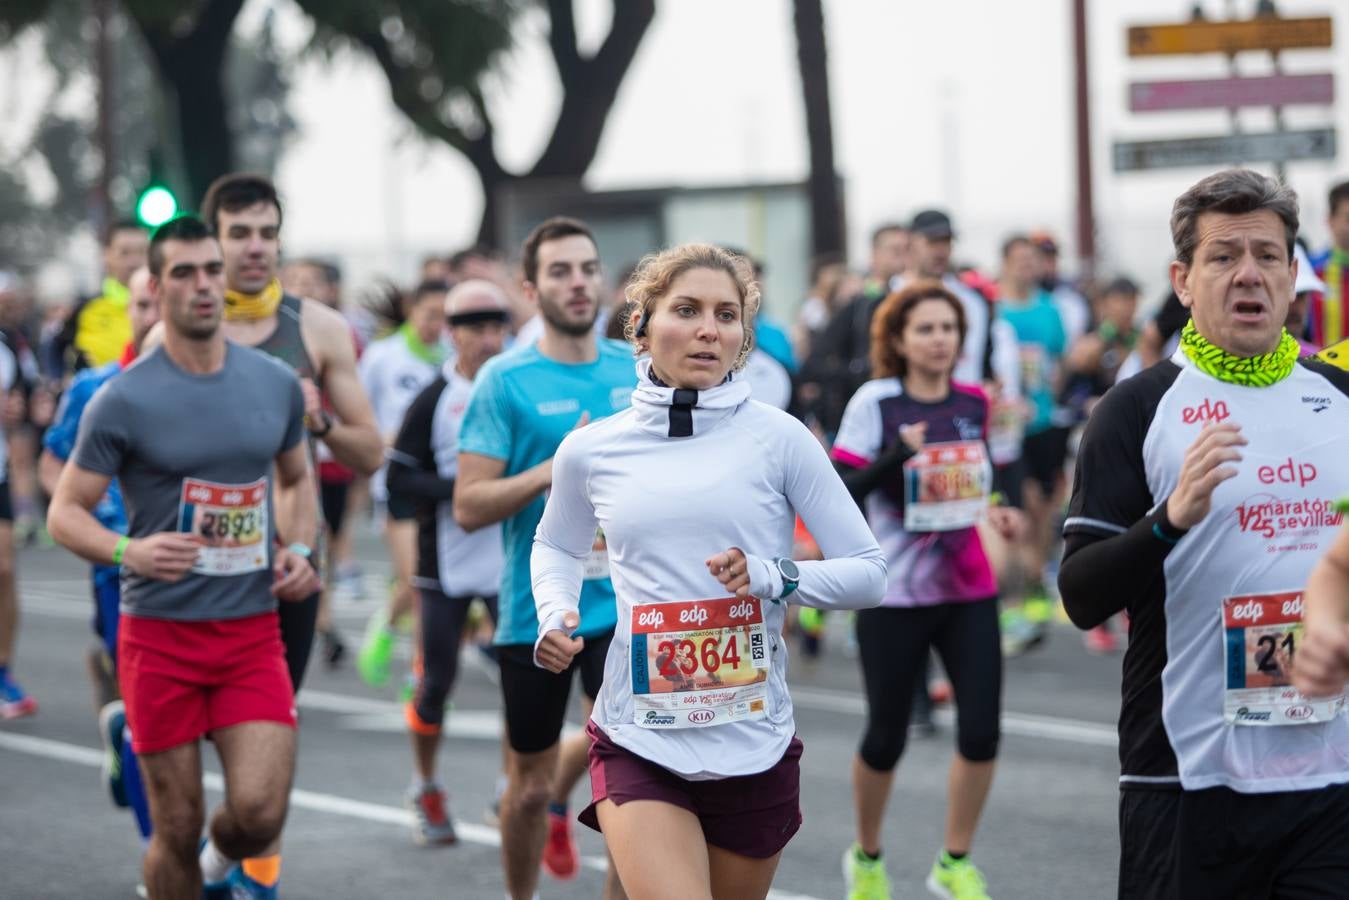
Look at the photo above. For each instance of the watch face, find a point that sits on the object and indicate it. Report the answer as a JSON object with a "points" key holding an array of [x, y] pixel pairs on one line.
{"points": [[788, 570]]}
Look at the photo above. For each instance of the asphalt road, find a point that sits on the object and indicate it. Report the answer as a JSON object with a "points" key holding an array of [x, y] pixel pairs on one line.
{"points": [[1049, 829]]}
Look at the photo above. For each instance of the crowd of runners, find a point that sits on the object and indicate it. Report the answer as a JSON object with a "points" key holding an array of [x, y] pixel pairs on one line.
{"points": [[917, 452]]}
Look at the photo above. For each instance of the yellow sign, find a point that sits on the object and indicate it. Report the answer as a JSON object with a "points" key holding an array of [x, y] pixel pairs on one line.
{"points": [[1336, 354], [1229, 37]]}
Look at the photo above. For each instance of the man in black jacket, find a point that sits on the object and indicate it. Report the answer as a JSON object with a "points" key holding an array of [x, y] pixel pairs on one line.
{"points": [[839, 361]]}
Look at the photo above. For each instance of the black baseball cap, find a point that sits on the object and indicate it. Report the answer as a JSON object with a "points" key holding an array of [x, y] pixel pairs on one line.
{"points": [[932, 223]]}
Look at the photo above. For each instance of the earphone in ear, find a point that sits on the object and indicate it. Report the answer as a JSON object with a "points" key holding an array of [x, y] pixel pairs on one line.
{"points": [[641, 323]]}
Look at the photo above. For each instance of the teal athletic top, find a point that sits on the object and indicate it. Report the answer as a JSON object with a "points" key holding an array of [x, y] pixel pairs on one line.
{"points": [[523, 404], [1042, 343]]}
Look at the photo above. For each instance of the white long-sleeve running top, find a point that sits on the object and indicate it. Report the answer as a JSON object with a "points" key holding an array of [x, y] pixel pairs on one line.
{"points": [[695, 680]]}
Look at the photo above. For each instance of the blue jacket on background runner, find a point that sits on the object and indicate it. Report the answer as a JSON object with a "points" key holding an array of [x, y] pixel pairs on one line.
{"points": [[523, 405], [110, 511], [1040, 335], [60, 440]]}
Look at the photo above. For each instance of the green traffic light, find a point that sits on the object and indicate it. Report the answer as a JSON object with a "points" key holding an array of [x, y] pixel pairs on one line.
{"points": [[156, 205]]}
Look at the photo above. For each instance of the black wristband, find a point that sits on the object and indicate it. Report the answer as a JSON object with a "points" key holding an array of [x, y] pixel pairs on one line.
{"points": [[1163, 530], [327, 426]]}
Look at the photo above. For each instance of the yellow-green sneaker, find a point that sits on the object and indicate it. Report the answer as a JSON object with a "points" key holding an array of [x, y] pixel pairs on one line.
{"points": [[812, 620], [372, 662], [1038, 605], [956, 879], [865, 878]]}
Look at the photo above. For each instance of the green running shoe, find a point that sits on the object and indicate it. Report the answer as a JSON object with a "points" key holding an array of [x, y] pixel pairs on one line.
{"points": [[956, 879], [865, 878], [376, 652], [1038, 605], [1019, 633], [812, 620]]}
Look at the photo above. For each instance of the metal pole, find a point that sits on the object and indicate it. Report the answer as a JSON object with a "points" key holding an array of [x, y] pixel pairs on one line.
{"points": [[1086, 215], [107, 150]]}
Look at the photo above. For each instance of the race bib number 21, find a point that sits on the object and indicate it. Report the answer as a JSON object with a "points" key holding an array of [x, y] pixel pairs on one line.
{"points": [[231, 520], [1262, 633]]}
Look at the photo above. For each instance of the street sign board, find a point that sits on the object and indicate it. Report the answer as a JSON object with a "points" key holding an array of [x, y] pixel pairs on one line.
{"points": [[1279, 146], [1229, 93], [1229, 37]]}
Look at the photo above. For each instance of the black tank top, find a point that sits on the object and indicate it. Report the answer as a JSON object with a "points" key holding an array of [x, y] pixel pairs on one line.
{"points": [[286, 342]]}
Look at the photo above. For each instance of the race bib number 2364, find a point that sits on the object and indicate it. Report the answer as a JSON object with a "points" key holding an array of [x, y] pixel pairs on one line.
{"points": [[697, 663]]}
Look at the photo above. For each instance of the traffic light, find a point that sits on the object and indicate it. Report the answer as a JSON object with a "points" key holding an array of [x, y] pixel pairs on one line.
{"points": [[155, 205]]}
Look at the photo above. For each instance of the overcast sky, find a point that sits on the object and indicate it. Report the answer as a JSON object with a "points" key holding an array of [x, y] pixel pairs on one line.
{"points": [[961, 103]]}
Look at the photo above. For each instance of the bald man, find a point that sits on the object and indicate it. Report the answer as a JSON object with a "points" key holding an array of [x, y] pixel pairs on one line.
{"points": [[453, 567]]}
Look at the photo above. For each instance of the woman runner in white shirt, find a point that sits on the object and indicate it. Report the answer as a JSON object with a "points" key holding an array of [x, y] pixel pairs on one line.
{"points": [[695, 488]]}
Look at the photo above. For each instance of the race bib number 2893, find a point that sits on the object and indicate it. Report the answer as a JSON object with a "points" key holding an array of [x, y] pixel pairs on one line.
{"points": [[231, 520]]}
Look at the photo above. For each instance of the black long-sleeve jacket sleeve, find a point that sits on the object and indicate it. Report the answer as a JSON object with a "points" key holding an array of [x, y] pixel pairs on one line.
{"points": [[412, 460], [864, 480]]}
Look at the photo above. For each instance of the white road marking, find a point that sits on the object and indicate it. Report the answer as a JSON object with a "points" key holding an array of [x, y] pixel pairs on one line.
{"points": [[1076, 731], [313, 801], [370, 714]]}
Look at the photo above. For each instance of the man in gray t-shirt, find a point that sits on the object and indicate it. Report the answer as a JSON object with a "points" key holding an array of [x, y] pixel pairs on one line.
{"points": [[194, 432], [197, 462]]}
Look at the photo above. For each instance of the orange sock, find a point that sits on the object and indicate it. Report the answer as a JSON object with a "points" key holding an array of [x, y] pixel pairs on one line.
{"points": [[415, 723], [265, 870]]}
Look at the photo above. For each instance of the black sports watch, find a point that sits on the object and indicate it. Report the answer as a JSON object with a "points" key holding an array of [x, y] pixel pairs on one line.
{"points": [[791, 576], [325, 424]]}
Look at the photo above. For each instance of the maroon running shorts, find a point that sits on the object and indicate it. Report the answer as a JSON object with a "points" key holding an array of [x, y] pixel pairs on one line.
{"points": [[752, 815], [183, 680]]}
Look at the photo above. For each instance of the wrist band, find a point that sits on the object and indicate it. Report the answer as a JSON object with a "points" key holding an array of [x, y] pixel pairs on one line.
{"points": [[1164, 538], [327, 426], [122, 543]]}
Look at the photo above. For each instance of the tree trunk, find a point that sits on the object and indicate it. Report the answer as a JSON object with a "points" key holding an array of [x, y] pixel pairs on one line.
{"points": [[826, 211], [589, 89], [203, 127], [192, 64], [493, 179]]}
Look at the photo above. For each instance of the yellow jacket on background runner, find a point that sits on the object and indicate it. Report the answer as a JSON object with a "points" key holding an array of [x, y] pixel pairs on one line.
{"points": [[97, 330]]}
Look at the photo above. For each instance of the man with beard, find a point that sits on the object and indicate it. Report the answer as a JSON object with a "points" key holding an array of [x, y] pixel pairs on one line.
{"points": [[523, 404]]}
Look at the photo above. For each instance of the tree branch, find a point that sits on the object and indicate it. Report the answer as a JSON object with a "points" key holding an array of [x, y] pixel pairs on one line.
{"points": [[214, 26], [405, 91], [631, 20], [562, 35], [589, 89], [205, 41]]}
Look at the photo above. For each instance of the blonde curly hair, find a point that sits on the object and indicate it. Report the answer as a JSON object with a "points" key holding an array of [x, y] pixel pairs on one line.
{"points": [[657, 271]]}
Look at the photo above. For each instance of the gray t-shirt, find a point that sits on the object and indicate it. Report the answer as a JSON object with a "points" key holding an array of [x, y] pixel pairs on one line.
{"points": [[195, 453]]}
